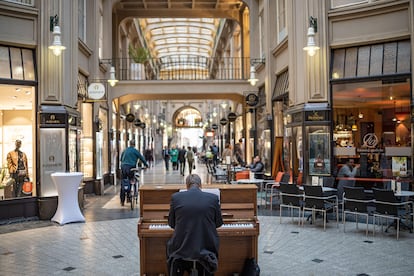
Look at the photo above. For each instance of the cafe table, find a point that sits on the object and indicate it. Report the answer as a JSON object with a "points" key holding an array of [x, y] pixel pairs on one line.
{"points": [[67, 184], [404, 193], [324, 189]]}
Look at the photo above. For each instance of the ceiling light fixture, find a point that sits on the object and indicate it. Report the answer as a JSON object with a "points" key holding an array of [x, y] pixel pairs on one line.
{"points": [[311, 46], [56, 46]]}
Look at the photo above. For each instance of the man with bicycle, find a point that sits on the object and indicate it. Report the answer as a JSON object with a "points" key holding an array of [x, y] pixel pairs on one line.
{"points": [[129, 159]]}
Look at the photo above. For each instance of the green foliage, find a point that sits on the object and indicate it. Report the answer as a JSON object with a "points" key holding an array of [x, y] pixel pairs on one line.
{"points": [[139, 55]]}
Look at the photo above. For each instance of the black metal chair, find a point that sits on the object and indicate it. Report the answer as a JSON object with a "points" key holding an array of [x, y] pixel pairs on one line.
{"points": [[216, 174], [355, 202], [315, 201], [387, 206], [274, 187], [291, 198]]}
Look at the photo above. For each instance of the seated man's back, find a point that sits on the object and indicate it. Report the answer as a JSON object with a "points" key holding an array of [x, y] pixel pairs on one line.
{"points": [[195, 216]]}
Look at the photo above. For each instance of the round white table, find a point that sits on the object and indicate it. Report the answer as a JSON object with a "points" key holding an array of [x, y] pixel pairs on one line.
{"points": [[404, 193], [67, 184]]}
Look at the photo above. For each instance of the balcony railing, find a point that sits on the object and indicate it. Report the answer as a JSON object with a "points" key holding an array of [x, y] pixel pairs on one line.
{"points": [[183, 68]]}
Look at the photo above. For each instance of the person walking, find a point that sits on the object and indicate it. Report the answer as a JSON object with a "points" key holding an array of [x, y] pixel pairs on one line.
{"points": [[166, 157], [190, 159], [149, 157], [174, 158], [238, 152], [195, 216], [181, 159]]}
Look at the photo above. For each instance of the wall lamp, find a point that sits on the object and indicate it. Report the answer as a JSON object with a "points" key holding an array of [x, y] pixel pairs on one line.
{"points": [[56, 46], [311, 47], [112, 79], [252, 79]]}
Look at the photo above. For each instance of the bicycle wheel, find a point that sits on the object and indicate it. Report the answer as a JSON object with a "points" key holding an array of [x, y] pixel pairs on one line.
{"points": [[132, 199]]}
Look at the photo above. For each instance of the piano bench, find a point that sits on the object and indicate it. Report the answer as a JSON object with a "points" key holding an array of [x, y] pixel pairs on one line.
{"points": [[194, 270]]}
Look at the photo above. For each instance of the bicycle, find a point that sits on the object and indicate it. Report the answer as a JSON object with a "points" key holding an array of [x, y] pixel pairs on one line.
{"points": [[131, 187]]}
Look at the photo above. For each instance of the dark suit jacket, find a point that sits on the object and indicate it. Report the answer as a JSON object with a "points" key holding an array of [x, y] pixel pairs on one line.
{"points": [[195, 215]]}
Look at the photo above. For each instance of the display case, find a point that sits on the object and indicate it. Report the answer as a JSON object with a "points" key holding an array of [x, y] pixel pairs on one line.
{"points": [[73, 151], [86, 142], [87, 156]]}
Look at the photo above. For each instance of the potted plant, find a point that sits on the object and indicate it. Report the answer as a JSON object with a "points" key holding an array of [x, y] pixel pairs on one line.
{"points": [[139, 55]]}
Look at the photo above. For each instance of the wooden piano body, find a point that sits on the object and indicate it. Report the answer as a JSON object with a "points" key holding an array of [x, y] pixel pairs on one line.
{"points": [[237, 242]]}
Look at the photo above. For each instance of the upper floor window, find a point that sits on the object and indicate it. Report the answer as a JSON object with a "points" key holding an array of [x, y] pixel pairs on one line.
{"points": [[281, 20], [23, 2], [82, 19], [17, 63], [344, 3], [100, 52], [262, 33]]}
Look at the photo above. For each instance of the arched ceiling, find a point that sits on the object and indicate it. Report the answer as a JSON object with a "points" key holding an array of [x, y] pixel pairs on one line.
{"points": [[178, 33], [174, 39]]}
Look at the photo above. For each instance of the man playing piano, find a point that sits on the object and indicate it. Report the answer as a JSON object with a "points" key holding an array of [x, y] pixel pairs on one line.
{"points": [[195, 216]]}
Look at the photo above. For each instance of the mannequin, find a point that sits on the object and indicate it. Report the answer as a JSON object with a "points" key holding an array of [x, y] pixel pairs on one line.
{"points": [[18, 169]]}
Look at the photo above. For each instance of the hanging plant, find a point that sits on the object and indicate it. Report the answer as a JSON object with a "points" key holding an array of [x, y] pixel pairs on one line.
{"points": [[139, 55]]}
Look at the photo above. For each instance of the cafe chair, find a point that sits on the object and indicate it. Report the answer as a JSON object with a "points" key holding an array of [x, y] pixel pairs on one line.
{"points": [[355, 202], [216, 174], [272, 188], [328, 181], [291, 198], [315, 202], [387, 206]]}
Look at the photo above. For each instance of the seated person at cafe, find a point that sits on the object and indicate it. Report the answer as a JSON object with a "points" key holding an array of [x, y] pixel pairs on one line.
{"points": [[257, 167], [347, 170]]}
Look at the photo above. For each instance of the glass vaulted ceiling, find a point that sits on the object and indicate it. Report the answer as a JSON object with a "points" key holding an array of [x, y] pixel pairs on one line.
{"points": [[184, 43]]}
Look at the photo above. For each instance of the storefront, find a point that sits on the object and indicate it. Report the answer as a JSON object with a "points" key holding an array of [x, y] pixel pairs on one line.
{"points": [[18, 122], [372, 111]]}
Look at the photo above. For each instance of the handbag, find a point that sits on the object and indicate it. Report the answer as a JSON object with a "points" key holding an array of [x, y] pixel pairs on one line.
{"points": [[193, 167], [27, 186]]}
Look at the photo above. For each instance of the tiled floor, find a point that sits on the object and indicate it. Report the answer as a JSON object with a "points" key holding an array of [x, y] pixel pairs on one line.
{"points": [[107, 243]]}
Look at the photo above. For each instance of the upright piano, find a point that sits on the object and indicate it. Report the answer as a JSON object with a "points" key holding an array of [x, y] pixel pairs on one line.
{"points": [[238, 235]]}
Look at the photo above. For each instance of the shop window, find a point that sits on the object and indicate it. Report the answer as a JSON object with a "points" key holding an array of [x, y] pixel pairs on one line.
{"points": [[16, 123], [372, 124]]}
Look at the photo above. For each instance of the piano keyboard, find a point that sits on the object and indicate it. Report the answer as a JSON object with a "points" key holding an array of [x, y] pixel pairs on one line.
{"points": [[224, 226]]}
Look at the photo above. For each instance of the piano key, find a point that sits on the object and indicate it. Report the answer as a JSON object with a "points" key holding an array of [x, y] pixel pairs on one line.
{"points": [[224, 226]]}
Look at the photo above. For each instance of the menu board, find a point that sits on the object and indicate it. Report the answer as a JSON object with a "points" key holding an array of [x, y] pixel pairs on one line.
{"points": [[399, 166]]}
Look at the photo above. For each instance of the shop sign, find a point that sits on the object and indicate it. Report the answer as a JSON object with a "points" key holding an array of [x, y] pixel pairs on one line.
{"points": [[53, 118], [130, 117], [316, 116], [96, 91], [370, 140], [137, 122], [252, 99], [223, 121], [232, 117]]}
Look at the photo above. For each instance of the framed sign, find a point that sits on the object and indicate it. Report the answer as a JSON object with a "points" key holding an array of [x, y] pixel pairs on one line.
{"points": [[319, 154]]}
